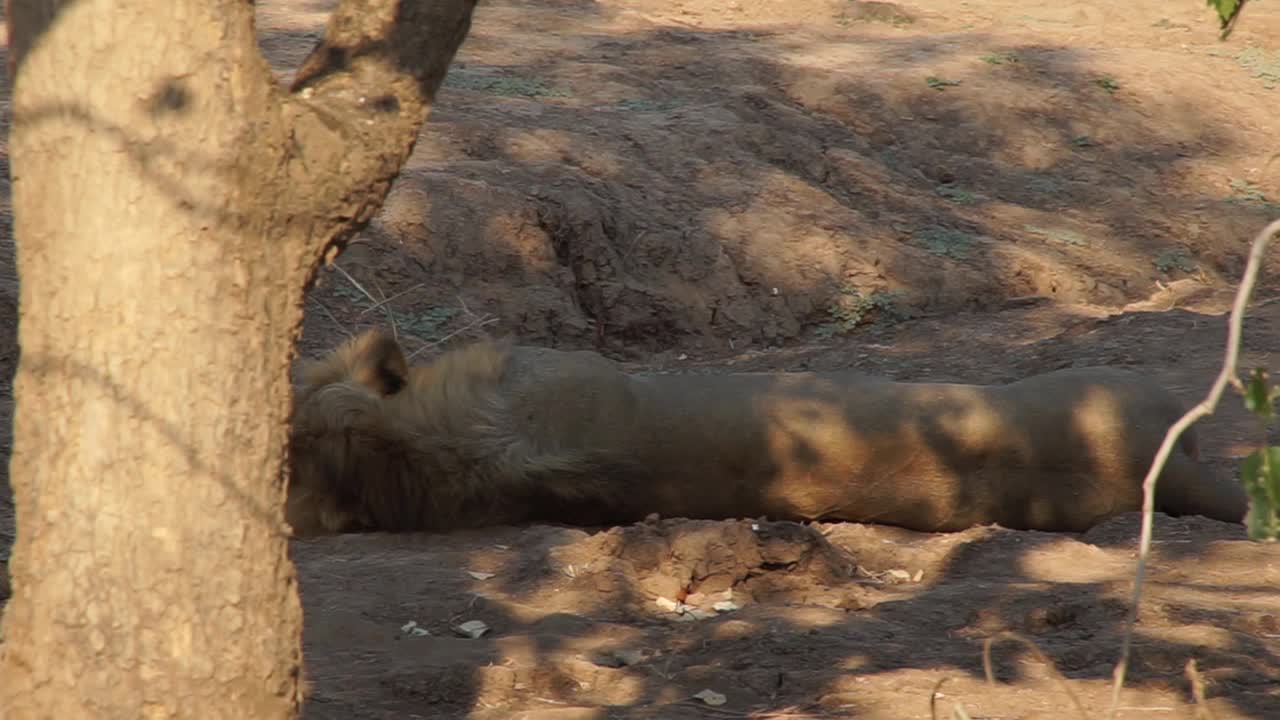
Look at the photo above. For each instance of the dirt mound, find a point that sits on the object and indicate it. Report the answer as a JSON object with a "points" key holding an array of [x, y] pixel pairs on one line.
{"points": [[745, 175], [695, 565], [712, 186], [835, 619]]}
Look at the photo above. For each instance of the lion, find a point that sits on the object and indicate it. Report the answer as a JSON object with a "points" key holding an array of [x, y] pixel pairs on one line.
{"points": [[495, 434]]}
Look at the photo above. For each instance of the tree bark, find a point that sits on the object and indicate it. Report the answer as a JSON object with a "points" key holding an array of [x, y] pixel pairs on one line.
{"points": [[171, 204]]}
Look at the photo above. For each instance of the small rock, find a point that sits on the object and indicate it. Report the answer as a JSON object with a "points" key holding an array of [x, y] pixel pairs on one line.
{"points": [[711, 697], [627, 656], [412, 628], [473, 629], [725, 606], [667, 604]]}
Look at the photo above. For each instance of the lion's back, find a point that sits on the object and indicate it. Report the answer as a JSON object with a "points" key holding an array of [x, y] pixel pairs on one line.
{"points": [[568, 399]]}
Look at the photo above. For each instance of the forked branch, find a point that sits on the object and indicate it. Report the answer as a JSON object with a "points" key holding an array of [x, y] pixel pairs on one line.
{"points": [[359, 101], [1228, 375]]}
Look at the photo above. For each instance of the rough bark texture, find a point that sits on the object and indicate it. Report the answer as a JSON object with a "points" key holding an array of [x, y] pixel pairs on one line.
{"points": [[171, 204]]}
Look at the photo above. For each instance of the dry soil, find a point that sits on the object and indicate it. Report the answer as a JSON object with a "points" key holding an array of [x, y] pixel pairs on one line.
{"points": [[928, 190]]}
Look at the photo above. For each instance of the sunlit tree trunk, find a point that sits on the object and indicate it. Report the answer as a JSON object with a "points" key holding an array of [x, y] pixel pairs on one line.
{"points": [[171, 204]]}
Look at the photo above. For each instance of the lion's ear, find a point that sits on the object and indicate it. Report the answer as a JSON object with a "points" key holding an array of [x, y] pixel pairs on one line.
{"points": [[377, 362]]}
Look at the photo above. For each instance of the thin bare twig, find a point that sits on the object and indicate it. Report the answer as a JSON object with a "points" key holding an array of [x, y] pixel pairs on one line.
{"points": [[391, 316], [791, 712], [474, 325], [329, 315], [1197, 691], [933, 696], [1053, 669], [1228, 375], [395, 333], [397, 296]]}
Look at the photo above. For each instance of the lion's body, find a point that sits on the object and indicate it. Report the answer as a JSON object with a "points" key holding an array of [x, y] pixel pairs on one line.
{"points": [[494, 434]]}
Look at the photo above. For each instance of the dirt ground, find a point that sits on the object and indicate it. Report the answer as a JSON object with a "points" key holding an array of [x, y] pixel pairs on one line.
{"points": [[928, 190]]}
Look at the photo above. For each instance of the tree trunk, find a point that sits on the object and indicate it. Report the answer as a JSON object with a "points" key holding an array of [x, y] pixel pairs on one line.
{"points": [[171, 204]]}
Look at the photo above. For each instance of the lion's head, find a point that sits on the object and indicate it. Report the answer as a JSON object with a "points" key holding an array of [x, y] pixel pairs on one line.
{"points": [[341, 432]]}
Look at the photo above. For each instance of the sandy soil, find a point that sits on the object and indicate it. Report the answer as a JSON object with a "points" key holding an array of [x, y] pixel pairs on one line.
{"points": [[966, 191]]}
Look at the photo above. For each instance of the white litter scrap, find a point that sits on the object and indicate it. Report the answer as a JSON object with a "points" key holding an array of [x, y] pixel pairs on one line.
{"points": [[890, 576], [412, 628], [474, 629], [478, 575], [711, 697], [667, 604], [685, 613]]}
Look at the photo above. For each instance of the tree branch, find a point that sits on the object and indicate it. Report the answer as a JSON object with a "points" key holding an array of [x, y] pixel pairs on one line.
{"points": [[1227, 375], [358, 103]]}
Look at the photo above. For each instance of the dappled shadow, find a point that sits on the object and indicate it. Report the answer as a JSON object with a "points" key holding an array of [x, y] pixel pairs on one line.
{"points": [[663, 212], [833, 446], [649, 188], [641, 190], [593, 637]]}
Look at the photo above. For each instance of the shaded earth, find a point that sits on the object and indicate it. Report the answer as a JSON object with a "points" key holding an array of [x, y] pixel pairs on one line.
{"points": [[927, 190]]}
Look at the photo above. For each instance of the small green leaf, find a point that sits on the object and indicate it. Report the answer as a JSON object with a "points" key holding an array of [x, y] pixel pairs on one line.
{"points": [[1260, 473], [1226, 9], [1257, 396]]}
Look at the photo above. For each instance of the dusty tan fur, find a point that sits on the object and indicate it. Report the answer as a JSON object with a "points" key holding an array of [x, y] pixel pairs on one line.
{"points": [[494, 433]]}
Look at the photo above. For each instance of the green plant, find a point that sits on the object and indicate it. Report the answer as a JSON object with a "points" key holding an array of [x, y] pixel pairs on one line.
{"points": [[1175, 258], [645, 105], [1083, 141], [1260, 472], [499, 85], [428, 325], [1108, 83], [956, 194], [850, 308], [1262, 65], [1226, 9], [1043, 184], [1244, 192], [1067, 237], [944, 241], [999, 58], [870, 14], [938, 83]]}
